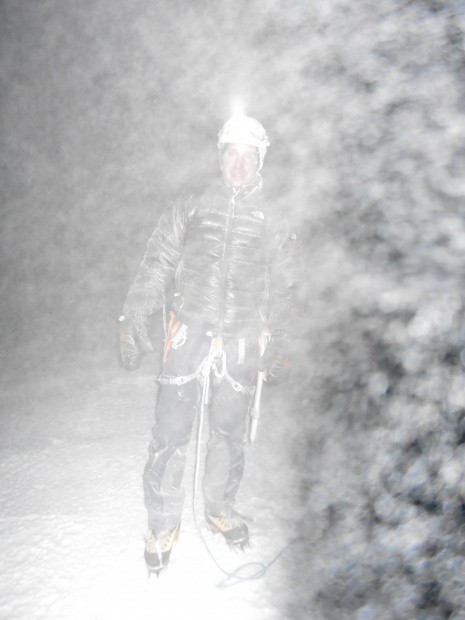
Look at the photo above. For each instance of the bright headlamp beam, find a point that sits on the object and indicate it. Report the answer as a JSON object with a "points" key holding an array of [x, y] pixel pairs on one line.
{"points": [[237, 108]]}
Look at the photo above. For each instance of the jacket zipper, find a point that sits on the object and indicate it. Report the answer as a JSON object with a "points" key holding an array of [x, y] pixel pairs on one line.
{"points": [[227, 235]]}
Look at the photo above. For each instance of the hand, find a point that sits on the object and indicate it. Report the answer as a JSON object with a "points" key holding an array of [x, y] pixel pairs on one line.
{"points": [[274, 361], [134, 341], [278, 371]]}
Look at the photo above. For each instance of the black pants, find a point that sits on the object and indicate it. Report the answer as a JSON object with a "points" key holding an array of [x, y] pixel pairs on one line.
{"points": [[176, 410]]}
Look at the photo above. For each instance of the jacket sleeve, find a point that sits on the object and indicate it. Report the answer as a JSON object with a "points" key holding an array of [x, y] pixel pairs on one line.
{"points": [[156, 271], [285, 275]]}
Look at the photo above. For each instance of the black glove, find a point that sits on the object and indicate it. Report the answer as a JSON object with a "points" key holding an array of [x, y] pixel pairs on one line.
{"points": [[133, 340], [274, 361]]}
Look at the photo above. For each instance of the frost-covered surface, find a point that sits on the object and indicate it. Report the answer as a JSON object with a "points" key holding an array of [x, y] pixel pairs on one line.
{"points": [[72, 524], [112, 108]]}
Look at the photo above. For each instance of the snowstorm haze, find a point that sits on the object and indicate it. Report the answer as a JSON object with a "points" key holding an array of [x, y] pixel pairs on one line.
{"points": [[111, 109]]}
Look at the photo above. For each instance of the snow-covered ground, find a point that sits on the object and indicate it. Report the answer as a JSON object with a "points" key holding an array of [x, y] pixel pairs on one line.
{"points": [[73, 521]]}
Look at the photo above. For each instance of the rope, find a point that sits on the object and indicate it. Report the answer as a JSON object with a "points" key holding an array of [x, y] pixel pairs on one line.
{"points": [[258, 569]]}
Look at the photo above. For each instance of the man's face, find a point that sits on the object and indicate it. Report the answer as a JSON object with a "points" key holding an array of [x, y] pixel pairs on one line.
{"points": [[239, 164]]}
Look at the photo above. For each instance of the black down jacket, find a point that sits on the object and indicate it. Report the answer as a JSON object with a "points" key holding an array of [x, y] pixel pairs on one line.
{"points": [[232, 261]]}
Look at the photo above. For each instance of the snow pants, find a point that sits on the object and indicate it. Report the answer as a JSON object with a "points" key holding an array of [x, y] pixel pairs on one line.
{"points": [[176, 410]]}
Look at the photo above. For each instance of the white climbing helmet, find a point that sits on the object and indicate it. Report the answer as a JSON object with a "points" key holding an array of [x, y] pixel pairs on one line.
{"points": [[244, 130]]}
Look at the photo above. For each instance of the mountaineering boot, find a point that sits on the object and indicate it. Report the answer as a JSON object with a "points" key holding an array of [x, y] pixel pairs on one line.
{"points": [[231, 527], [158, 549]]}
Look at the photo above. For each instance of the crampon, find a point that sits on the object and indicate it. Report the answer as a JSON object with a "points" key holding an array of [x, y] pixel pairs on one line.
{"points": [[158, 549], [234, 531]]}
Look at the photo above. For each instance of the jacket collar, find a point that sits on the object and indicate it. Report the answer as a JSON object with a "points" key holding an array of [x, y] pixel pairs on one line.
{"points": [[244, 192]]}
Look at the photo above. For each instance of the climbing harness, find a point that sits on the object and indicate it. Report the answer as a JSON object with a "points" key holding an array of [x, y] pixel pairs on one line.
{"points": [[215, 362]]}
